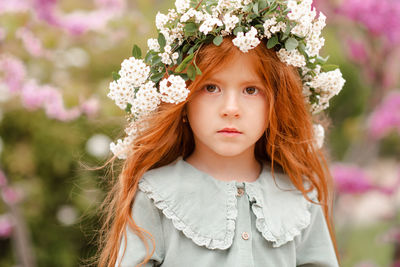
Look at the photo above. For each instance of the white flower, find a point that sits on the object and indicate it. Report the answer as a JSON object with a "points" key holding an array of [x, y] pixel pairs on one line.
{"points": [[230, 22], [153, 44], [192, 13], [161, 20], [228, 4], [209, 23], [176, 33], [147, 99], [267, 25], [314, 42], [327, 85], [134, 71], [173, 89], [298, 11], [293, 57], [167, 49], [319, 135], [121, 148], [247, 41], [281, 26], [314, 45], [121, 91], [165, 58], [172, 14], [182, 5], [175, 57]]}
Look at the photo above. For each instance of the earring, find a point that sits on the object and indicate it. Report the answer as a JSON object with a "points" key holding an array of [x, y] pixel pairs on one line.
{"points": [[184, 119]]}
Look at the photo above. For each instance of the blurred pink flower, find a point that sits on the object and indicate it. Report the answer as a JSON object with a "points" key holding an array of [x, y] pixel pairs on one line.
{"points": [[351, 179], [5, 226], [14, 6], [91, 106], [35, 96], [79, 22], [386, 117], [31, 43], [357, 51], [14, 72], [10, 195], [380, 17]]}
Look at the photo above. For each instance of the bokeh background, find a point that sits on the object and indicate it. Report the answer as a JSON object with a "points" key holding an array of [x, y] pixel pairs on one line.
{"points": [[56, 60]]}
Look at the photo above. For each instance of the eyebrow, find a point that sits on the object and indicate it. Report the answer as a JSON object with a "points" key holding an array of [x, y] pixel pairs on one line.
{"points": [[254, 81]]}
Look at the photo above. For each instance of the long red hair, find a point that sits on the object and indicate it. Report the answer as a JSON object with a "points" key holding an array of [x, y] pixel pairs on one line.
{"points": [[287, 142]]}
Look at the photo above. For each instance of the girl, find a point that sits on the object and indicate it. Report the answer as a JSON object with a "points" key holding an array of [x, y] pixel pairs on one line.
{"points": [[228, 172]]}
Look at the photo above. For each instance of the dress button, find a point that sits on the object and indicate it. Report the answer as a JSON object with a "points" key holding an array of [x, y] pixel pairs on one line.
{"points": [[240, 192], [245, 235]]}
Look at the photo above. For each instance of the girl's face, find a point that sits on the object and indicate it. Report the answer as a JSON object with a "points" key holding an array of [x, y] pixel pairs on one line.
{"points": [[231, 97]]}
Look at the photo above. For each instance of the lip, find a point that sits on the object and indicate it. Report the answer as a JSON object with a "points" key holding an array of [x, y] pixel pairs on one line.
{"points": [[229, 131]]}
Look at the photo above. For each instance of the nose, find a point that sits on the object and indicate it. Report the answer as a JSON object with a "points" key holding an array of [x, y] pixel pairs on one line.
{"points": [[230, 106]]}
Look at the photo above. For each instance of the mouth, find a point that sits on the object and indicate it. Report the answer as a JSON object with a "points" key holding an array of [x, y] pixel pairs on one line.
{"points": [[230, 131]]}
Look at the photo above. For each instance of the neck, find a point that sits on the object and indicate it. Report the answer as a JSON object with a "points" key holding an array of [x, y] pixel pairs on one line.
{"points": [[241, 168]]}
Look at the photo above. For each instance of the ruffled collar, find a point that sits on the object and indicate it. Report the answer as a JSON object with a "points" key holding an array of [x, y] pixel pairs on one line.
{"points": [[205, 208]]}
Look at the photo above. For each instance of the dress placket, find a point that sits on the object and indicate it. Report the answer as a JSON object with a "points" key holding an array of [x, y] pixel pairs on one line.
{"points": [[243, 233]]}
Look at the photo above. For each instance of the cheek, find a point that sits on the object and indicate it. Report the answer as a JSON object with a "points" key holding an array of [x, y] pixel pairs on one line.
{"points": [[197, 113], [259, 112]]}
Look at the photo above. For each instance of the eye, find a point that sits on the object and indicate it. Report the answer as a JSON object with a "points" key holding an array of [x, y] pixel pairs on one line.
{"points": [[251, 90], [210, 88]]}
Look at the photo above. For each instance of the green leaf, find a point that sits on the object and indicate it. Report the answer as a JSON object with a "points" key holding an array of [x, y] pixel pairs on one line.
{"points": [[329, 67], [156, 77], [193, 48], [190, 27], [191, 72], [262, 4], [259, 26], [291, 44], [183, 75], [179, 60], [115, 75], [302, 48], [237, 30], [198, 71], [184, 63], [156, 59], [255, 8], [321, 60], [148, 57], [128, 108], [272, 7], [185, 48], [272, 42], [136, 52], [161, 40], [218, 40], [286, 33]]}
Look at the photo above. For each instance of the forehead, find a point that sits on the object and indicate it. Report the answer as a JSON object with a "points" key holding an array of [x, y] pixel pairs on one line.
{"points": [[238, 66]]}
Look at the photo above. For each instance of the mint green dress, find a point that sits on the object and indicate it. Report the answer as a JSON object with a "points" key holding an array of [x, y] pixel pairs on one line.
{"points": [[197, 220]]}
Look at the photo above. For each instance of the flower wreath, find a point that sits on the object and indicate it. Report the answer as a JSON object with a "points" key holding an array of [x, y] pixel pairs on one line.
{"points": [[290, 26]]}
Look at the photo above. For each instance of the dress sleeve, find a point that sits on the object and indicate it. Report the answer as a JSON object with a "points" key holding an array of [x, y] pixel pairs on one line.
{"points": [[148, 217], [315, 247]]}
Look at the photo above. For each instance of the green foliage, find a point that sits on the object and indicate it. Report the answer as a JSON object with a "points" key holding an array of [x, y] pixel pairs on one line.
{"points": [[136, 52], [184, 63], [218, 40]]}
